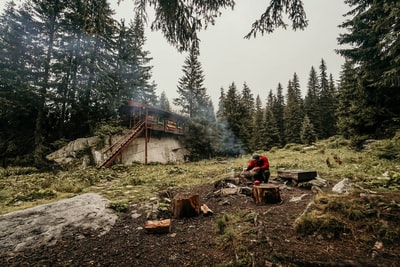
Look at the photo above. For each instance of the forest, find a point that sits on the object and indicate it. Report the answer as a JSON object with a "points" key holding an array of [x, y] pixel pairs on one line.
{"points": [[68, 66]]}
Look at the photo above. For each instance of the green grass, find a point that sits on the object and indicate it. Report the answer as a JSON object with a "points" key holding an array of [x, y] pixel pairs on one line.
{"points": [[26, 187]]}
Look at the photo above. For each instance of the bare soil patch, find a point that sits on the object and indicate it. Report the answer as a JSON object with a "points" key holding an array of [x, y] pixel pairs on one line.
{"points": [[265, 236]]}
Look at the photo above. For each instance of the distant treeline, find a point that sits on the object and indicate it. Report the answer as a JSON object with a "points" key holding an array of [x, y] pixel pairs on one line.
{"points": [[68, 66]]}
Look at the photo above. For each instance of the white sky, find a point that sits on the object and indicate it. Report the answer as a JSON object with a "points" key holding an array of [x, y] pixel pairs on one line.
{"points": [[261, 62]]}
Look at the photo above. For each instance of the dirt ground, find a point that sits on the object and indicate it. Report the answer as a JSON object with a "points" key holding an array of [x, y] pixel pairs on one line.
{"points": [[196, 241]]}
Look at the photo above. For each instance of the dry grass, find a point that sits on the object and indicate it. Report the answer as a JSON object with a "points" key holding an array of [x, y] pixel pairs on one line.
{"points": [[139, 183]]}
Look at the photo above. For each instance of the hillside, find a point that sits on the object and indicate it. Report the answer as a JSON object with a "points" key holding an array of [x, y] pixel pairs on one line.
{"points": [[309, 227]]}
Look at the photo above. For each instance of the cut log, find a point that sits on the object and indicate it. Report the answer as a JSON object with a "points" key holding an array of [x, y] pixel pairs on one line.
{"points": [[206, 210], [266, 193], [186, 205], [158, 227], [297, 175]]}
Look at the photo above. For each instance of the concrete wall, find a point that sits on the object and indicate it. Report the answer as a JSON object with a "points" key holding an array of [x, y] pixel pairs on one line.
{"points": [[161, 150]]}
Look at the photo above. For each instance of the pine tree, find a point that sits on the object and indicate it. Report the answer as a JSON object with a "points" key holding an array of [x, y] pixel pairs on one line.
{"points": [[47, 16], [194, 102], [164, 102], [372, 42], [256, 139], [230, 123], [143, 90], [192, 99], [326, 103], [311, 101], [16, 112], [248, 125], [293, 113], [271, 136], [350, 103], [277, 108], [307, 134]]}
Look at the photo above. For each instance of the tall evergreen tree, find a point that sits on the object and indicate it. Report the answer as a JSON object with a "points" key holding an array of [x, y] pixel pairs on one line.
{"points": [[194, 102], [256, 139], [271, 136], [277, 108], [307, 134], [164, 102], [326, 103], [16, 123], [349, 111], [230, 124], [371, 41], [143, 90], [47, 20], [247, 128], [312, 106], [293, 113], [192, 97]]}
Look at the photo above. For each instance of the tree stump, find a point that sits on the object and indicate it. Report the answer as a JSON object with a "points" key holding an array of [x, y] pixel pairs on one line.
{"points": [[266, 193], [186, 205]]}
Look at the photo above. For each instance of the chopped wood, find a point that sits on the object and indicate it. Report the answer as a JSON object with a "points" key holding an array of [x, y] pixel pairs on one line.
{"points": [[206, 210], [266, 193], [186, 205], [158, 227]]}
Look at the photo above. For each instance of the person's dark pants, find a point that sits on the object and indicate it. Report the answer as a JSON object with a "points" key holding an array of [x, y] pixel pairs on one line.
{"points": [[262, 176]]}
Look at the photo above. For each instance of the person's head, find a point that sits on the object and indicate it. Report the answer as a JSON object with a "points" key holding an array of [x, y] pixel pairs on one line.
{"points": [[255, 157]]}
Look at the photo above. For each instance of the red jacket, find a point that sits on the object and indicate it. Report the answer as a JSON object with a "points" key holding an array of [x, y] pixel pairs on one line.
{"points": [[262, 163]]}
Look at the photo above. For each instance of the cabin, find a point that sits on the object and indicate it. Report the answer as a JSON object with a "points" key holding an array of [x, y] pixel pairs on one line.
{"points": [[153, 135]]}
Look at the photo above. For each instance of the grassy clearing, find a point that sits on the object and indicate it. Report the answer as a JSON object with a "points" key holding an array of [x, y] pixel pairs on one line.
{"points": [[376, 168]]}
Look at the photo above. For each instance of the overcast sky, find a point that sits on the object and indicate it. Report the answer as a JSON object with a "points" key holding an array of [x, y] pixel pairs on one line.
{"points": [[262, 62]]}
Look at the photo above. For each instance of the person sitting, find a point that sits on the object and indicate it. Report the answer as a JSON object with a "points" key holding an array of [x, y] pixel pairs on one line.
{"points": [[257, 169]]}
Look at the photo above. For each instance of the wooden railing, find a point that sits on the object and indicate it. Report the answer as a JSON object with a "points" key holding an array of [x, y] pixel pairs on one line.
{"points": [[111, 153]]}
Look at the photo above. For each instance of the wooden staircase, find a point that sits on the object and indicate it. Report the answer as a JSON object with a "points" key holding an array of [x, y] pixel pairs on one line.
{"points": [[117, 148]]}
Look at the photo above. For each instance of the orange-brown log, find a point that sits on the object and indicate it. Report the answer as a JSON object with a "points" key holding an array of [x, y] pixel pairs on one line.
{"points": [[158, 227]]}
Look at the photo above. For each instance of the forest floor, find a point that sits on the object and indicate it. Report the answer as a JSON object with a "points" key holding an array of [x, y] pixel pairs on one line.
{"points": [[239, 233]]}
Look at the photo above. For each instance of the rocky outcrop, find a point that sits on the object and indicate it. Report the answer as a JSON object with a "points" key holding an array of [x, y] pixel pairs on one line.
{"points": [[43, 225]]}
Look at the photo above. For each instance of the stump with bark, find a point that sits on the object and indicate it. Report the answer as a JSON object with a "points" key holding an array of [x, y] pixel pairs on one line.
{"points": [[186, 205], [266, 193]]}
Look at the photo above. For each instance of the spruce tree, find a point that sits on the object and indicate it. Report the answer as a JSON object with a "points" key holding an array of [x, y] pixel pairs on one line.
{"points": [[256, 139], [17, 122], [326, 103], [195, 103], [307, 134], [192, 97], [349, 110], [164, 102], [293, 113], [371, 41], [312, 106], [247, 127], [277, 108], [230, 124], [144, 90], [271, 136]]}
